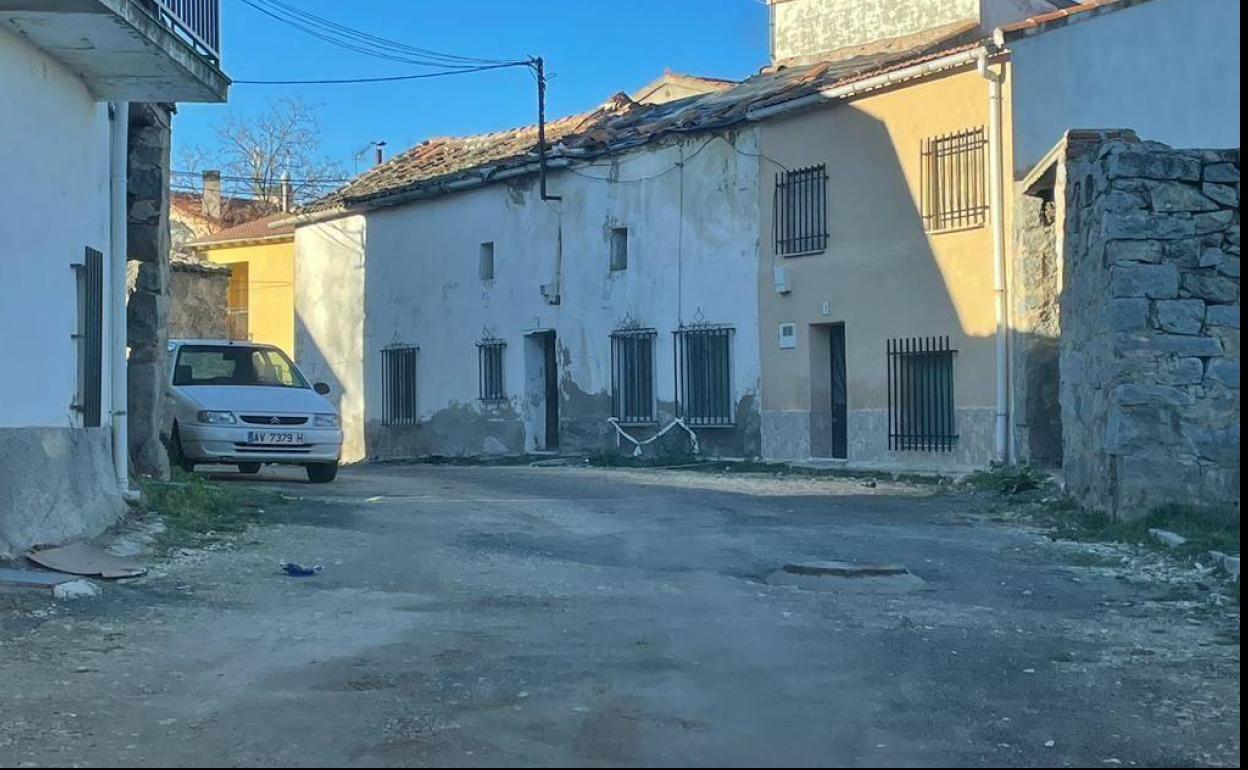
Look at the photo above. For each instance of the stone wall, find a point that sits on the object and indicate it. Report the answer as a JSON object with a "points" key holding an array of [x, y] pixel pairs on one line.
{"points": [[148, 308], [199, 307], [1036, 320], [1150, 306]]}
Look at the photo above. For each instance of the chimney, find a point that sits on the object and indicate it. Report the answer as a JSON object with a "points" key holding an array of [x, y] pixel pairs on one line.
{"points": [[381, 153], [212, 194], [288, 194]]}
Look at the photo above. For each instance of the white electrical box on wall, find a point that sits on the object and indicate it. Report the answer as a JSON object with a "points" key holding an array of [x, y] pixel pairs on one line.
{"points": [[781, 275], [788, 336], [826, 308]]}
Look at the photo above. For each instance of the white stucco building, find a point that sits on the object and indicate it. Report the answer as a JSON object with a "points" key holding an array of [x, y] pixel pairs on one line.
{"points": [[794, 214], [492, 321], [68, 71]]}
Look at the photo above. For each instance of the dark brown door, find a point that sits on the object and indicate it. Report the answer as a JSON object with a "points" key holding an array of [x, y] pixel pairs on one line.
{"points": [[552, 392], [840, 394]]}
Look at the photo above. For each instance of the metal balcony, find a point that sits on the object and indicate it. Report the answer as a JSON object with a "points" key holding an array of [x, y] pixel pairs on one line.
{"points": [[129, 50], [197, 21]]}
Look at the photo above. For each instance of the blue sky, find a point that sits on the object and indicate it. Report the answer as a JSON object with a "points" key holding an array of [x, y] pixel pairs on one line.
{"points": [[593, 50]]}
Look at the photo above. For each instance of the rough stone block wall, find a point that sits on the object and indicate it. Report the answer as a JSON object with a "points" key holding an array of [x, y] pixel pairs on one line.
{"points": [[148, 308], [1150, 325], [199, 307], [806, 28], [1036, 318]]}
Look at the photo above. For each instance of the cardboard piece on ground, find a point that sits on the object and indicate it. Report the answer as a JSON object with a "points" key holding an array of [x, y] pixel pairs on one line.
{"points": [[83, 560], [26, 578]]}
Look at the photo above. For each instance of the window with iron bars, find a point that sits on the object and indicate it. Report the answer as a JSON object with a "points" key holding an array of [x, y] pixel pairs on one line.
{"points": [[632, 376], [704, 375], [921, 412], [800, 212], [954, 181], [90, 338], [490, 357], [398, 385]]}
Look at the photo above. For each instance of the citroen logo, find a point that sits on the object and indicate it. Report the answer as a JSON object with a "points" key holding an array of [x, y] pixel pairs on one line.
{"points": [[275, 421]]}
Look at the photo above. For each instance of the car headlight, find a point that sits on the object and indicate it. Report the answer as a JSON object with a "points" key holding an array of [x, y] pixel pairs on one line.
{"points": [[327, 421], [216, 418]]}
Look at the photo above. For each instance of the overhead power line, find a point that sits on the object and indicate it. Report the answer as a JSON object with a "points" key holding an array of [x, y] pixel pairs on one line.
{"points": [[384, 79], [367, 44]]}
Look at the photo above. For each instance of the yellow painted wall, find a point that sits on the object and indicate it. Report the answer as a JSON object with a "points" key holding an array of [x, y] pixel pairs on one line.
{"points": [[271, 288], [882, 275]]}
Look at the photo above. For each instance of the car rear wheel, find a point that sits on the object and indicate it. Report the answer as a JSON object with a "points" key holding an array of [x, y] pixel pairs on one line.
{"points": [[322, 473], [249, 468]]}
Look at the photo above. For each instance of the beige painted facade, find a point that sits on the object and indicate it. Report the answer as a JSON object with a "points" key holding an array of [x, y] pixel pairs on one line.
{"points": [[883, 276]]}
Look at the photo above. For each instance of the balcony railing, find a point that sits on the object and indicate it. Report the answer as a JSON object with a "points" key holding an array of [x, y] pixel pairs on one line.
{"points": [[197, 21]]}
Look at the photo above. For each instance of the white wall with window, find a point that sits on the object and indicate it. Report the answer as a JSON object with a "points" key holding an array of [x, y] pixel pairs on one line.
{"points": [[610, 258]]}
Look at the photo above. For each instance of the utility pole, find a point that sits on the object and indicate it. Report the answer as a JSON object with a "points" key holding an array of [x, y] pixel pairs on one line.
{"points": [[540, 65]]}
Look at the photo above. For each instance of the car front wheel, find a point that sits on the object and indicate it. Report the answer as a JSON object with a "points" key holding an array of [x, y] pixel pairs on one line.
{"points": [[322, 473], [177, 457]]}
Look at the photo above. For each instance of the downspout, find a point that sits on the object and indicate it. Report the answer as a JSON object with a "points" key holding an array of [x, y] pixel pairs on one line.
{"points": [[996, 185], [119, 151]]}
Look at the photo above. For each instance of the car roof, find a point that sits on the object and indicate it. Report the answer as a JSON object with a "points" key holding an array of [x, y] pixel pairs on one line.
{"points": [[221, 343]]}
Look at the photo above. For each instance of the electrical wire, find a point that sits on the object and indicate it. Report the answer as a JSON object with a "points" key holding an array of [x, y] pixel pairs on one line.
{"points": [[387, 79], [363, 43]]}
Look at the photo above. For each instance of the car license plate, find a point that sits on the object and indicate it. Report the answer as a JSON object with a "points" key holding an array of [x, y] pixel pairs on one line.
{"points": [[274, 438]]}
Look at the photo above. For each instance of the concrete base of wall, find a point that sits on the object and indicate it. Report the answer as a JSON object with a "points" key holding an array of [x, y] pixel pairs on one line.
{"points": [[789, 436], [56, 484]]}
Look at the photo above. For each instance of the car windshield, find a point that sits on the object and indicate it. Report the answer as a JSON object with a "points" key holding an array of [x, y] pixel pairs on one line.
{"points": [[236, 365]]}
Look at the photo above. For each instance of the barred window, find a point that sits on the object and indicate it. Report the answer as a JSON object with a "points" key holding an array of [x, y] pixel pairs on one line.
{"points": [[90, 338], [800, 219], [921, 414], [490, 357], [398, 385], [704, 375], [632, 375], [954, 182]]}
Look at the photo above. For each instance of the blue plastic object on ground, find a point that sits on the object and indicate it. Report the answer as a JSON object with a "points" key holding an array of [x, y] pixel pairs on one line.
{"points": [[298, 570]]}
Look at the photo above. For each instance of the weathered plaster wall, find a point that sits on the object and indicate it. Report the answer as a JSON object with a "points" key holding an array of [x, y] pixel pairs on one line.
{"points": [[329, 318], [270, 290], [805, 29], [882, 276], [1150, 325], [200, 302], [56, 484], [1180, 87], [690, 263], [54, 152]]}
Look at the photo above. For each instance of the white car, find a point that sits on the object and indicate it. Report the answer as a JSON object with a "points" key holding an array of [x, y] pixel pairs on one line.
{"points": [[246, 404]]}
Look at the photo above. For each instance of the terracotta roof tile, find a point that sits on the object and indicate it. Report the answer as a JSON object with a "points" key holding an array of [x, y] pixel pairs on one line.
{"points": [[1081, 12], [617, 126], [255, 230]]}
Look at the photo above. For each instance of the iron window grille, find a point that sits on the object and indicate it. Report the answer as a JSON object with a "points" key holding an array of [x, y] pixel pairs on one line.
{"points": [[954, 181], [398, 385], [800, 218], [704, 375], [921, 412], [90, 338], [632, 376], [490, 357]]}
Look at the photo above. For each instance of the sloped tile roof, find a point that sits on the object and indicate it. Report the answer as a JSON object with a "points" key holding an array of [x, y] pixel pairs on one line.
{"points": [[1079, 12], [255, 230], [617, 126]]}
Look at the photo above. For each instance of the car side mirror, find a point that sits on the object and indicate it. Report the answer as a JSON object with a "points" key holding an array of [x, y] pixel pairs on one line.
{"points": [[321, 388]]}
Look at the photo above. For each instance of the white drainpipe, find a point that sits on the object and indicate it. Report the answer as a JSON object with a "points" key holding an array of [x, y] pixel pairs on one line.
{"points": [[996, 187], [118, 210]]}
